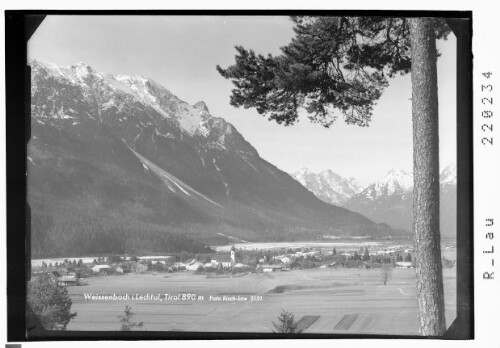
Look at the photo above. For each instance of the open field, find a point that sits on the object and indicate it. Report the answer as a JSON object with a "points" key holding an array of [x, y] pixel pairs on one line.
{"points": [[286, 245], [324, 300]]}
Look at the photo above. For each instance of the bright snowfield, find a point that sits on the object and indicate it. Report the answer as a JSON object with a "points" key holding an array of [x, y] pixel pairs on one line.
{"points": [[394, 181], [287, 245], [327, 185]]}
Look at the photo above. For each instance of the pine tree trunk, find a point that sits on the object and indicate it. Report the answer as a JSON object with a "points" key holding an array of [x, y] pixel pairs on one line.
{"points": [[430, 295]]}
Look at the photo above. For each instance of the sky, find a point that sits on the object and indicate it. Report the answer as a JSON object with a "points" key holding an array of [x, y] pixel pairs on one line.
{"points": [[181, 52]]}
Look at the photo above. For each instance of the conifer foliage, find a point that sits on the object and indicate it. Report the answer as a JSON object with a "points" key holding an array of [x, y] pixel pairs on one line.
{"points": [[126, 320], [286, 323], [50, 302], [333, 65]]}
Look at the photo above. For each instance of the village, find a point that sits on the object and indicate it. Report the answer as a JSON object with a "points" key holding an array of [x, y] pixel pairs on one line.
{"points": [[236, 262], [320, 283]]}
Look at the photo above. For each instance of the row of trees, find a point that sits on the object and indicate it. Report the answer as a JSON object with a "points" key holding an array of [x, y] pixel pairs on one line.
{"points": [[92, 237]]}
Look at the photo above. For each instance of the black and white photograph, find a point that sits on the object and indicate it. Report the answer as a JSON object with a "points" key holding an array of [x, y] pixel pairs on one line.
{"points": [[286, 174]]}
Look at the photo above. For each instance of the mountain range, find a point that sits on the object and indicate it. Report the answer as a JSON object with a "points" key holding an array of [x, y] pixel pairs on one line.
{"points": [[327, 185], [119, 164], [389, 200]]}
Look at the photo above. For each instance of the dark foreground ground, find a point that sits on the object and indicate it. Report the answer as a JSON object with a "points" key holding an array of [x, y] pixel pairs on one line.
{"points": [[322, 300]]}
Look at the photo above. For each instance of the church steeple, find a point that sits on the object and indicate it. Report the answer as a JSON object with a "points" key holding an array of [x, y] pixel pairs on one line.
{"points": [[233, 255]]}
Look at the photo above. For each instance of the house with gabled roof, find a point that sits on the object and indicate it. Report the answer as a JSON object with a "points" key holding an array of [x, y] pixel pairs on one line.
{"points": [[100, 268]]}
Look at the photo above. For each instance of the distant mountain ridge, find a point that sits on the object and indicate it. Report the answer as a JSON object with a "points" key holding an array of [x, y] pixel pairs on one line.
{"points": [[327, 185], [120, 164], [390, 200]]}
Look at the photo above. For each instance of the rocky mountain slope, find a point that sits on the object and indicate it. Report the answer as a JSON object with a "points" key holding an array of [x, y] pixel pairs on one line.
{"points": [[120, 164], [327, 185], [390, 200]]}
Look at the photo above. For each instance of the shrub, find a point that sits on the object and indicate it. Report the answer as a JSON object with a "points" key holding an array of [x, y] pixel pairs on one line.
{"points": [[286, 323], [386, 273], [50, 302], [126, 320]]}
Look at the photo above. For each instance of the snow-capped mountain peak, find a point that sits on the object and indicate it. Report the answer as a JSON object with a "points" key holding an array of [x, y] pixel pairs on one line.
{"points": [[82, 70], [303, 171], [396, 180], [390, 200], [145, 90], [201, 106], [135, 83], [327, 185]]}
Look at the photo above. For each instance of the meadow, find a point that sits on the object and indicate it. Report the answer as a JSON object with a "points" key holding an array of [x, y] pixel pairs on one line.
{"points": [[349, 301]]}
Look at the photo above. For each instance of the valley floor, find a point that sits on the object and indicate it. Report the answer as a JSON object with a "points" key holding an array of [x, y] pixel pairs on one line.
{"points": [[322, 300]]}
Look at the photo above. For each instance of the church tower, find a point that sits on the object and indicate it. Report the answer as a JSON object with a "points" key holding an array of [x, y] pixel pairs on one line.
{"points": [[233, 255]]}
